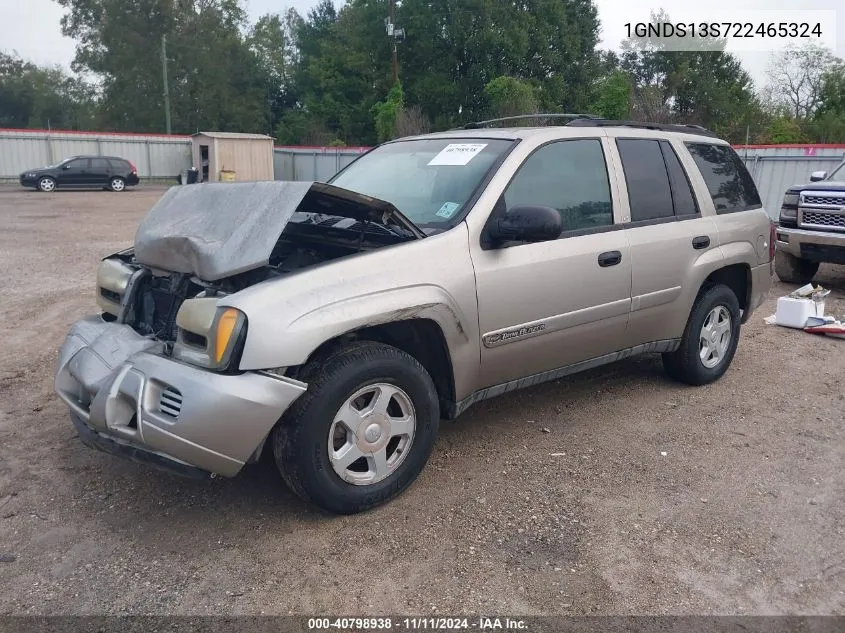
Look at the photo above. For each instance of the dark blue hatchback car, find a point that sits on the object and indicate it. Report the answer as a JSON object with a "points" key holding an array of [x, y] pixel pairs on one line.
{"points": [[94, 172]]}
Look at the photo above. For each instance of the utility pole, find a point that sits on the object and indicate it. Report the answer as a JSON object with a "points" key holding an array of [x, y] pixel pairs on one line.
{"points": [[393, 38], [164, 78], [395, 34]]}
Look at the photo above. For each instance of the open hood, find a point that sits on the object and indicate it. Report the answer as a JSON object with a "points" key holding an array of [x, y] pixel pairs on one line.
{"points": [[216, 230]]}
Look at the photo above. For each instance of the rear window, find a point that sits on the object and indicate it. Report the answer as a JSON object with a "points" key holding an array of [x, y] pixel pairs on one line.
{"points": [[727, 179], [649, 193], [119, 165]]}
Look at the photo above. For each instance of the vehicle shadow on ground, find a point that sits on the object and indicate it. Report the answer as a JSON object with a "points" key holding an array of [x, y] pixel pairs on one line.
{"points": [[831, 277], [160, 501]]}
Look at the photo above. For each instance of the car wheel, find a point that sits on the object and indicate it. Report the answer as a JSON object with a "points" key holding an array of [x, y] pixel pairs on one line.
{"points": [[117, 184], [46, 184], [794, 270], [710, 338], [363, 430]]}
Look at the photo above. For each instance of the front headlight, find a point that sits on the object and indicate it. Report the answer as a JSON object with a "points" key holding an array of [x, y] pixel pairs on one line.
{"points": [[789, 208], [228, 326], [113, 278], [209, 336]]}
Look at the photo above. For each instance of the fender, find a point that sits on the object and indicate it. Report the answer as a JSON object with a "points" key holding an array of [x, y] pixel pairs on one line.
{"points": [[290, 317]]}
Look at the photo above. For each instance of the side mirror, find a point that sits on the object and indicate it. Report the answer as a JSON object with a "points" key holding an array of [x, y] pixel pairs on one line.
{"points": [[818, 175], [65, 166], [527, 223]]}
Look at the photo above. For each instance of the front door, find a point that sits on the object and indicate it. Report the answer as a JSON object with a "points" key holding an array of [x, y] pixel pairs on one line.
{"points": [[73, 172], [548, 305]]}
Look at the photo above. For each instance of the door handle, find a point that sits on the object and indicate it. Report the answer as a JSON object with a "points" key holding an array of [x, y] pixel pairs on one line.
{"points": [[702, 241], [610, 258]]}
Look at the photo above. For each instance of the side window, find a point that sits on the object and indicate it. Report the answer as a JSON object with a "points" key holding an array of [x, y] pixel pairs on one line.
{"points": [[649, 193], [570, 176], [728, 181], [100, 164], [682, 195], [77, 164]]}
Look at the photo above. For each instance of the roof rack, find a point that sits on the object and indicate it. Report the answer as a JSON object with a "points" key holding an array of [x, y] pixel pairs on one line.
{"points": [[686, 128], [569, 117]]}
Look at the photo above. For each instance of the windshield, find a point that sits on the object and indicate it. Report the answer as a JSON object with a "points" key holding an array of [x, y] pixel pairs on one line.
{"points": [[428, 180]]}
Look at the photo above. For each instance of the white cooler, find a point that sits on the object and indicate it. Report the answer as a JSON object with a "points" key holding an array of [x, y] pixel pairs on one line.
{"points": [[795, 312]]}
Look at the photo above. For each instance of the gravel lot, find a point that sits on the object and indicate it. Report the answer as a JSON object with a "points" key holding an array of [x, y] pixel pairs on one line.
{"points": [[659, 499]]}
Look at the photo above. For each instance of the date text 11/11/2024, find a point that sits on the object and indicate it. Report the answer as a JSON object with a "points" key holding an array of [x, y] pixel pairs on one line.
{"points": [[717, 30], [418, 624]]}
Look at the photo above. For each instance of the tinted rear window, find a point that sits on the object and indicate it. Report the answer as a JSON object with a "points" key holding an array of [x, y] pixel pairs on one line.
{"points": [[649, 194], [728, 181], [682, 194], [119, 165]]}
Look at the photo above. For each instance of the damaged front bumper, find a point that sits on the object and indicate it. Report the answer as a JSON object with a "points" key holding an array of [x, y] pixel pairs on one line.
{"points": [[126, 398]]}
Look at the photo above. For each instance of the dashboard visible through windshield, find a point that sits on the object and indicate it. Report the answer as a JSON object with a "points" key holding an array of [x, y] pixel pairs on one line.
{"points": [[429, 180]]}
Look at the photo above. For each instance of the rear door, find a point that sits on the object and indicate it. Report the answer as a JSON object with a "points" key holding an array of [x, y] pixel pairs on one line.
{"points": [[99, 172], [667, 236]]}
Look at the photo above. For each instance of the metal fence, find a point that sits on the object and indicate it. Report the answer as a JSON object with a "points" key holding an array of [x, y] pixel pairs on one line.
{"points": [[154, 156], [312, 163], [773, 167], [776, 167]]}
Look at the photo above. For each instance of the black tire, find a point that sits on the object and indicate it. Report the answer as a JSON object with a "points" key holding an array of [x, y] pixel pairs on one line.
{"points": [[117, 184], [794, 270], [685, 364], [46, 184], [300, 441]]}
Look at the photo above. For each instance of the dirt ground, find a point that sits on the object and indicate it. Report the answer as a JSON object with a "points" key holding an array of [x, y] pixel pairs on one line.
{"points": [[644, 497]]}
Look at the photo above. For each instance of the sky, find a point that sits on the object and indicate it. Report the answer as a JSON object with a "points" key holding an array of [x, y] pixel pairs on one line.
{"points": [[31, 27]]}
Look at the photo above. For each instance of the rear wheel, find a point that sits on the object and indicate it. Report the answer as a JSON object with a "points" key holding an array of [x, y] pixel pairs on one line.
{"points": [[46, 184], [794, 270], [363, 430], [117, 184], [710, 338]]}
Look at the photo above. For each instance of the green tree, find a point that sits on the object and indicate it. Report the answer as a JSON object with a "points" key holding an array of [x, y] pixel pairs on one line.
{"points": [[216, 81], [704, 87], [783, 129], [454, 48], [32, 96], [509, 96], [385, 113], [613, 96], [832, 91]]}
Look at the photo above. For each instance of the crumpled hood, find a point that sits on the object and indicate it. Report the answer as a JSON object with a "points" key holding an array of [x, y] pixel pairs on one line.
{"points": [[216, 230]]}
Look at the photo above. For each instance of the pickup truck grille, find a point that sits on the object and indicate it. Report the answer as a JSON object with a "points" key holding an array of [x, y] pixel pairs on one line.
{"points": [[836, 201], [821, 220]]}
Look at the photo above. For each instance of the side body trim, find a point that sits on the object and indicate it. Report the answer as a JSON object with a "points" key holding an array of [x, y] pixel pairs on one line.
{"points": [[454, 409]]}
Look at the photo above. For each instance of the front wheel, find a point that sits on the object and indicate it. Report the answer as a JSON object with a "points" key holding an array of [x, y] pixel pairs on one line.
{"points": [[47, 184], [363, 430], [794, 270], [710, 338], [117, 184]]}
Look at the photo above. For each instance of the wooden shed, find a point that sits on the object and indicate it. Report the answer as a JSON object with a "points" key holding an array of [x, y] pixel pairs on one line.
{"points": [[227, 156]]}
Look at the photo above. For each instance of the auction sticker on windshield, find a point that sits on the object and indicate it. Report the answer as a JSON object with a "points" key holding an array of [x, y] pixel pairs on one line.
{"points": [[457, 153]]}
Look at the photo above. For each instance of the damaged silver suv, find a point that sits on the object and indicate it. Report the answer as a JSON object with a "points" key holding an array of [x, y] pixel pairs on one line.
{"points": [[336, 324]]}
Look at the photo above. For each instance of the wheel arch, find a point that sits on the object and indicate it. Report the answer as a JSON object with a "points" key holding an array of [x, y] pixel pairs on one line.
{"points": [[737, 277], [421, 338]]}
